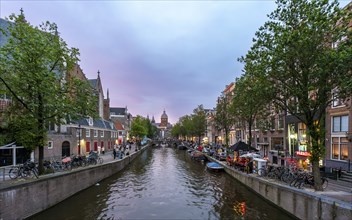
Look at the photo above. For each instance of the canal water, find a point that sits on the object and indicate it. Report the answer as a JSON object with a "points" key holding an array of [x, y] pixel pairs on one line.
{"points": [[165, 183]]}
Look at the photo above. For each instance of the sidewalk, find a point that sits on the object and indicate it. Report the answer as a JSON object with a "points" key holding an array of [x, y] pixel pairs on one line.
{"points": [[336, 190], [107, 157]]}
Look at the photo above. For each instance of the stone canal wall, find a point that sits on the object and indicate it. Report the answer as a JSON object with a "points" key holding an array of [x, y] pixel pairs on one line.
{"points": [[23, 200], [300, 203]]}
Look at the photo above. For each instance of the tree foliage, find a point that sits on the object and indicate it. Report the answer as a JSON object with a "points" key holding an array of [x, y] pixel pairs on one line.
{"points": [[139, 127], [199, 122], [192, 125], [33, 67], [224, 117], [294, 53], [251, 95]]}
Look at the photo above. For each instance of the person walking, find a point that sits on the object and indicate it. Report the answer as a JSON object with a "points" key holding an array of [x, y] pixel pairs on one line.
{"points": [[114, 153]]}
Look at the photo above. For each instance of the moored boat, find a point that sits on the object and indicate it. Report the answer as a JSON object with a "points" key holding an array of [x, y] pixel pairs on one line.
{"points": [[182, 147], [214, 166], [196, 155]]}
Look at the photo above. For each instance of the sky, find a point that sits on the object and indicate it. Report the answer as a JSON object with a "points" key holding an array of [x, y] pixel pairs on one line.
{"points": [[155, 55]]}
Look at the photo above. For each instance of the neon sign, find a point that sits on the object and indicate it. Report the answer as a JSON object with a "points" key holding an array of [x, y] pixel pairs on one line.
{"points": [[303, 153]]}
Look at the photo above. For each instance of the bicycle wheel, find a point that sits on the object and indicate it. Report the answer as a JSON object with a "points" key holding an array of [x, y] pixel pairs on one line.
{"points": [[324, 183], [100, 160], [292, 183], [300, 184], [35, 172], [21, 172], [84, 163], [262, 172], [68, 166], [13, 173], [272, 175]]}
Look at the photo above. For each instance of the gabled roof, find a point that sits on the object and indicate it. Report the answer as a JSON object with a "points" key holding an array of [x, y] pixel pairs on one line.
{"points": [[119, 126], [4, 24], [97, 123], [93, 82]]}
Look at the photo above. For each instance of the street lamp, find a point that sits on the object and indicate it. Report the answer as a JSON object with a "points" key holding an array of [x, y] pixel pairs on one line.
{"points": [[79, 139]]}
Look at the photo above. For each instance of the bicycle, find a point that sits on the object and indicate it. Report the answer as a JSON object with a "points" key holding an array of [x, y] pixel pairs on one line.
{"points": [[24, 170], [100, 160]]}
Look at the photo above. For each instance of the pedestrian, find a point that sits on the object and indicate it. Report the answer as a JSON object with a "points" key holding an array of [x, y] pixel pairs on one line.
{"points": [[114, 153], [103, 149], [99, 149]]}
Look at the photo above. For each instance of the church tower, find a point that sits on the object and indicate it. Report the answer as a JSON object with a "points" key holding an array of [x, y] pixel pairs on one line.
{"points": [[164, 120]]}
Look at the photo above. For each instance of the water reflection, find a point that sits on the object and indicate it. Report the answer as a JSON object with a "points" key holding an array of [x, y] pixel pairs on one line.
{"points": [[165, 183]]}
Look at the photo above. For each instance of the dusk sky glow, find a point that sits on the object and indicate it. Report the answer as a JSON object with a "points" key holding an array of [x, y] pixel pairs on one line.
{"points": [[155, 55]]}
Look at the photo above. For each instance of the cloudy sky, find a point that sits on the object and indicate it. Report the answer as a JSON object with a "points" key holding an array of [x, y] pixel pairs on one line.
{"points": [[155, 55]]}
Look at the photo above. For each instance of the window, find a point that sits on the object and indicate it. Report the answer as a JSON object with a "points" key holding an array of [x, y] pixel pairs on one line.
{"points": [[272, 127], [336, 101], [101, 133], [50, 145], [90, 121], [78, 132], [340, 123], [87, 132], [339, 148], [95, 133], [281, 122]]}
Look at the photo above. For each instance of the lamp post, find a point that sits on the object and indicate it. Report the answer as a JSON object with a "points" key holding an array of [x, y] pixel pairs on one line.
{"points": [[79, 139]]}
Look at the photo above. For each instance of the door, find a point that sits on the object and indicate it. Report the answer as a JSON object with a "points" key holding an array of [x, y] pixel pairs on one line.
{"points": [[65, 149]]}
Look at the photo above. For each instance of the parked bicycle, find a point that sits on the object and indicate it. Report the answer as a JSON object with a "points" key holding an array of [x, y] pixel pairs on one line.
{"points": [[307, 179], [28, 169]]}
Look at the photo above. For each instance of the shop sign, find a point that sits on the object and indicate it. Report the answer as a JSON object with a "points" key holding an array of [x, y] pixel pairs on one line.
{"points": [[303, 153]]}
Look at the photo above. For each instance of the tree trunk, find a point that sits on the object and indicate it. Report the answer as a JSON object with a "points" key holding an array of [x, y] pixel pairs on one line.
{"points": [[41, 156], [316, 152], [250, 132], [317, 178], [41, 134]]}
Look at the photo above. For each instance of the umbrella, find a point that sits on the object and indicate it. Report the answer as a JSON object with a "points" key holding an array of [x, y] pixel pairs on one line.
{"points": [[242, 146]]}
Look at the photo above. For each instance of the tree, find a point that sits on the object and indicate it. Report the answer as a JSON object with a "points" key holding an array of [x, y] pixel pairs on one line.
{"points": [[138, 127], [199, 122], [151, 129], [293, 51], [251, 94], [176, 130], [186, 126], [33, 68], [224, 118]]}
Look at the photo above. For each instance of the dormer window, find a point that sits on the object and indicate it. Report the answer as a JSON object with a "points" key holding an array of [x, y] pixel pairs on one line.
{"points": [[90, 121]]}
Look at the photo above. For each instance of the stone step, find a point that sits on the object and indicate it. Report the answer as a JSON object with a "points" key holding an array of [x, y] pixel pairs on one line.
{"points": [[346, 183]]}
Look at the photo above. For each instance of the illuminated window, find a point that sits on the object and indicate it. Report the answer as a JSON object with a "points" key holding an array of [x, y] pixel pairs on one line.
{"points": [[339, 148]]}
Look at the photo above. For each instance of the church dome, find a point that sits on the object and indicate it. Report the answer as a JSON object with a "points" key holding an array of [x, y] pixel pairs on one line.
{"points": [[164, 115]]}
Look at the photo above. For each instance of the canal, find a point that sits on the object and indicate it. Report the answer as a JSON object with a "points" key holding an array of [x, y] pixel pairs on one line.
{"points": [[165, 183]]}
